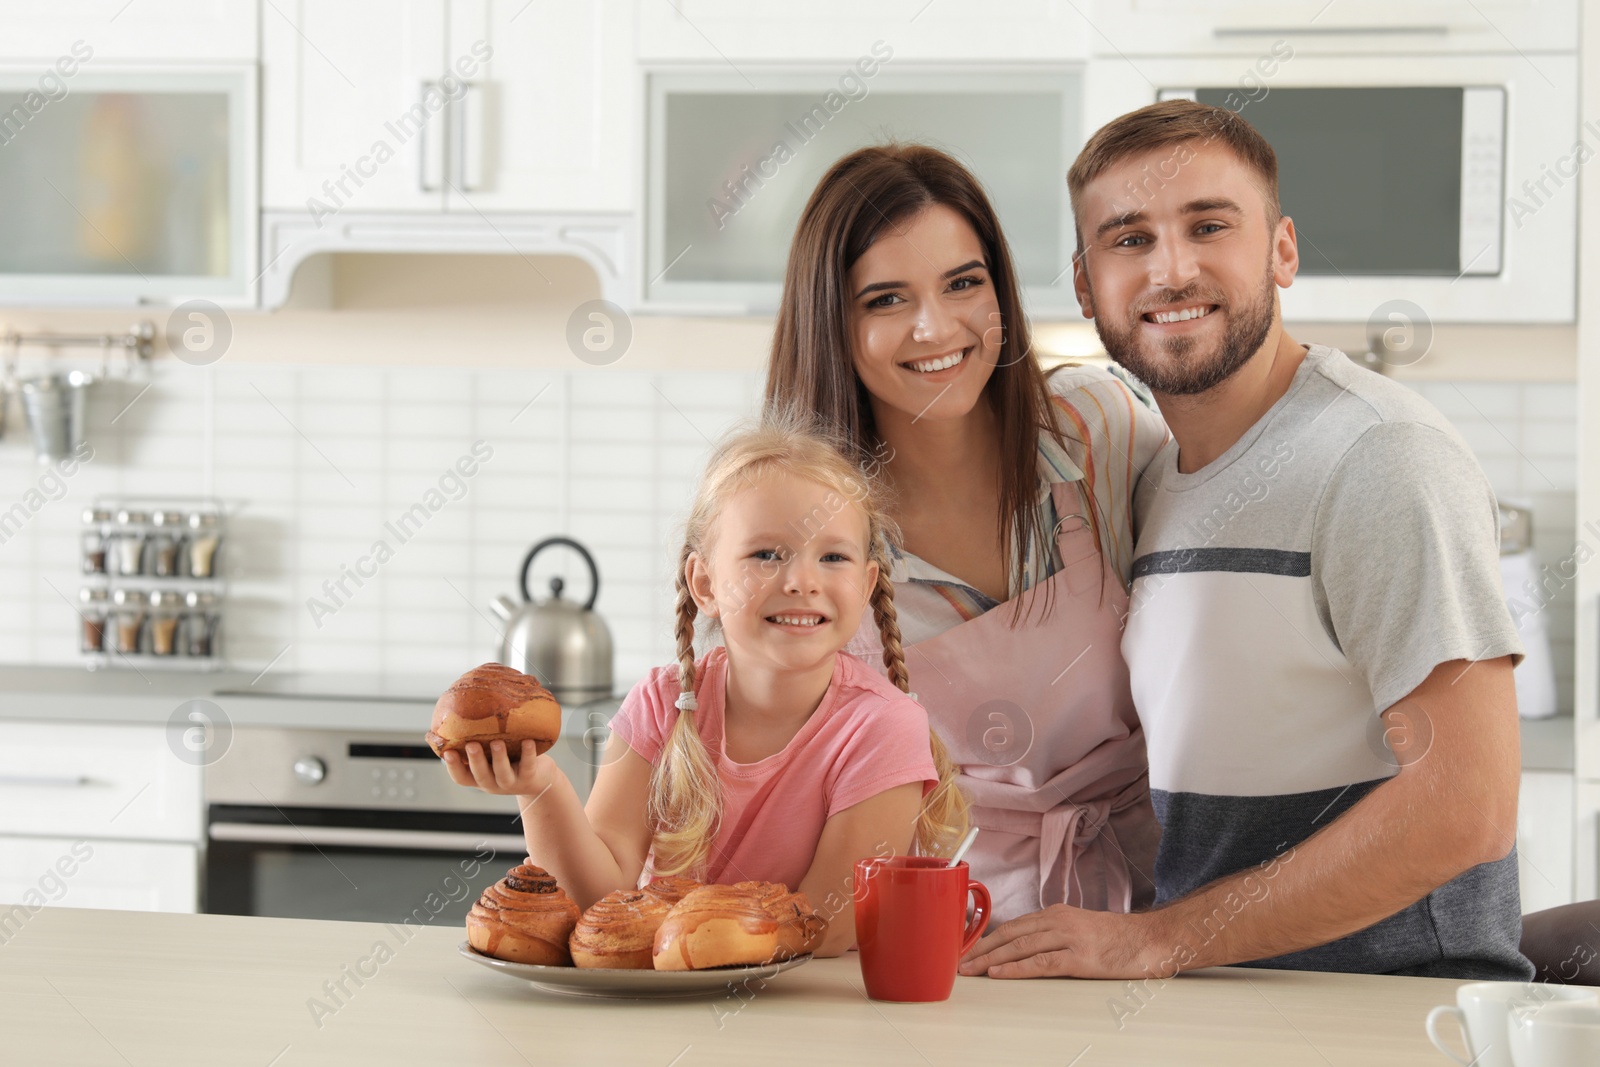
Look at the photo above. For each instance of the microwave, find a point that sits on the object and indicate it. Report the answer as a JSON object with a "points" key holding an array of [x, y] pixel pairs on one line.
{"points": [[1448, 182]]}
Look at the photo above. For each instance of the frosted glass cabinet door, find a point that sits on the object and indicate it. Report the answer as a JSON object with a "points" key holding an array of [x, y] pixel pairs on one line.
{"points": [[123, 187], [732, 164]]}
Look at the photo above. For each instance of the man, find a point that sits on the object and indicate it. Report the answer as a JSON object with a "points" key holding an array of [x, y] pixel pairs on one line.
{"points": [[1320, 652]]}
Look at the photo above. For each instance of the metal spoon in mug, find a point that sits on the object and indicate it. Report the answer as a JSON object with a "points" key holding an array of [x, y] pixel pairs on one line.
{"points": [[966, 843]]}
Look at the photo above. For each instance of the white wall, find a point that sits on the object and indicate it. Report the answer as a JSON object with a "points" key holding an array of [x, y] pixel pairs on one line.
{"points": [[1587, 852]]}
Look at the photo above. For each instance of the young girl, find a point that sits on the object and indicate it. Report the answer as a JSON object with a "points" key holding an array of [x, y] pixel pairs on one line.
{"points": [[777, 757]]}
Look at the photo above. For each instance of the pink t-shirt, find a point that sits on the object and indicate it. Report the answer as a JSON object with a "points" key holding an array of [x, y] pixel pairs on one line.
{"points": [[866, 736]]}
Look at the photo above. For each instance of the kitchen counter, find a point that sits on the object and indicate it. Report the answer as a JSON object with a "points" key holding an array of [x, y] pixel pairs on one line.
{"points": [[97, 987], [67, 694]]}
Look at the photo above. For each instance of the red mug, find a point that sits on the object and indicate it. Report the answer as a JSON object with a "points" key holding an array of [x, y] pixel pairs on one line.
{"points": [[909, 925]]}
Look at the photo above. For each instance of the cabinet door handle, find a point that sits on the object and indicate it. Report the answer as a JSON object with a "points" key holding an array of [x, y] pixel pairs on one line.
{"points": [[469, 142], [431, 142], [1420, 30], [54, 781], [361, 837]]}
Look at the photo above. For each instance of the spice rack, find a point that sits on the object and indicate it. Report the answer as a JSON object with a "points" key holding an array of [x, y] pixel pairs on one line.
{"points": [[152, 592]]}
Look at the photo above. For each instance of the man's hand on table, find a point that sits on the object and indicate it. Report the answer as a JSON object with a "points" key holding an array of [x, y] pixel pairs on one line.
{"points": [[1066, 941]]}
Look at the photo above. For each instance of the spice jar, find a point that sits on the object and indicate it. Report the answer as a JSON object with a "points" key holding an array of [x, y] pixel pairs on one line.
{"points": [[127, 620], [127, 548], [164, 542], [93, 613], [203, 539], [164, 622], [96, 539], [199, 624]]}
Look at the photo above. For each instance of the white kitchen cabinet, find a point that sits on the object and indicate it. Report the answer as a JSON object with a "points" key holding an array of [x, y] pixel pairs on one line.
{"points": [[1245, 27], [141, 30], [551, 122], [97, 780], [98, 815], [85, 873], [1586, 860], [348, 121], [459, 126], [1545, 839], [448, 105], [1586, 638], [728, 32]]}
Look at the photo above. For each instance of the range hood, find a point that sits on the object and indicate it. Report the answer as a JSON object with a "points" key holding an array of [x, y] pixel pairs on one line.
{"points": [[606, 241]]}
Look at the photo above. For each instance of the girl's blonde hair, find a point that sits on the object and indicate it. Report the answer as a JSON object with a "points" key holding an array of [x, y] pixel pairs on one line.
{"points": [[685, 806]]}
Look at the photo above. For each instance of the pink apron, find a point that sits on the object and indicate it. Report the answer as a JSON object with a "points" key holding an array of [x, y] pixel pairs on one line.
{"points": [[1041, 720]]}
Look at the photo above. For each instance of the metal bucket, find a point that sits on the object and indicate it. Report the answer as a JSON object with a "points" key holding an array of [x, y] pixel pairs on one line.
{"points": [[55, 407]]}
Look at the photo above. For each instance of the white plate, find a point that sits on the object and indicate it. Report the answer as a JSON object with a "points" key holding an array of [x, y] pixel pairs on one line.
{"points": [[611, 982]]}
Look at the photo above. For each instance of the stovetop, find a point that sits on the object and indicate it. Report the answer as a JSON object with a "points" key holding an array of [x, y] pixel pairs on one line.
{"points": [[406, 688]]}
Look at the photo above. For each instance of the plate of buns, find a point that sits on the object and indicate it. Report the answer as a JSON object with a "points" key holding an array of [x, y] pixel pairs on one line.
{"points": [[672, 938]]}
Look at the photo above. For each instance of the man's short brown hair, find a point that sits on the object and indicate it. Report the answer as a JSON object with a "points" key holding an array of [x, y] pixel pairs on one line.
{"points": [[1175, 123]]}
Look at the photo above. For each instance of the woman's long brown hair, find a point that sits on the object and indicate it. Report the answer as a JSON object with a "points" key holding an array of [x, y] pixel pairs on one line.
{"points": [[867, 192]]}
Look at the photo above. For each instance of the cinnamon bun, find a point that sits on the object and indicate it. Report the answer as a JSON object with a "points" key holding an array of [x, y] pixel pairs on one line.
{"points": [[734, 925], [800, 927], [525, 917], [672, 888], [619, 931], [495, 703]]}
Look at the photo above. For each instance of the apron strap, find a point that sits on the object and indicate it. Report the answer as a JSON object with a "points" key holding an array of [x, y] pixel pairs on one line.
{"points": [[1074, 534]]}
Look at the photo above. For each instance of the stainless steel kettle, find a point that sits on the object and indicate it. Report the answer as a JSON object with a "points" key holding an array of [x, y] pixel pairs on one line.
{"points": [[567, 647]]}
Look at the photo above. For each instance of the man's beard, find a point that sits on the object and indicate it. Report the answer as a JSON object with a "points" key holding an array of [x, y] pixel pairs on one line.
{"points": [[1172, 365]]}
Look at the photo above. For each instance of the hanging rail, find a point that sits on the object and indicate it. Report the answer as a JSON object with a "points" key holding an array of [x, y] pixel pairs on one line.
{"points": [[136, 342]]}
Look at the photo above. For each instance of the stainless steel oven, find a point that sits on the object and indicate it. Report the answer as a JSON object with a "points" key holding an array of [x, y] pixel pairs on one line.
{"points": [[338, 824]]}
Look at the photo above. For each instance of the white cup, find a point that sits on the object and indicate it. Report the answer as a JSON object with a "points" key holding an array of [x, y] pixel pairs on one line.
{"points": [[1565, 1034], [1483, 1010]]}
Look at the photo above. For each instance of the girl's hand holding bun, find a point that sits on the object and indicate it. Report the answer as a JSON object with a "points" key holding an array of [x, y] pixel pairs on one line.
{"points": [[492, 728], [494, 772]]}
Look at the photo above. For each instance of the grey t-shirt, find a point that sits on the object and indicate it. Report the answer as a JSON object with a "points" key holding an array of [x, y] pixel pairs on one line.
{"points": [[1305, 581]]}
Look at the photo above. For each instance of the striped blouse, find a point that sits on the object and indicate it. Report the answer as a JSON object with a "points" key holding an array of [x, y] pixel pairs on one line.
{"points": [[1111, 437]]}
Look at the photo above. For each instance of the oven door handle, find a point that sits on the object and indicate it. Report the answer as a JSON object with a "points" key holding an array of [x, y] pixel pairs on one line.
{"points": [[361, 837]]}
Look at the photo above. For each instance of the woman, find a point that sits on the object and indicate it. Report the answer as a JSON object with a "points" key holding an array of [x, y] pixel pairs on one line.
{"points": [[901, 324]]}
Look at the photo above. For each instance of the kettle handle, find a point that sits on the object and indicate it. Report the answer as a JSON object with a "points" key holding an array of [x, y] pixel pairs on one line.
{"points": [[594, 572]]}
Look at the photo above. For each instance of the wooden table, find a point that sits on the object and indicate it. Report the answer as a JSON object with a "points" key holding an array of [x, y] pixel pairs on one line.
{"points": [[105, 987]]}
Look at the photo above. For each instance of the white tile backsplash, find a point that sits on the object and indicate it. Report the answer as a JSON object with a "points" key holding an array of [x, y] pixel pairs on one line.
{"points": [[1526, 438], [322, 462], [1553, 439], [1482, 400], [1487, 439]]}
